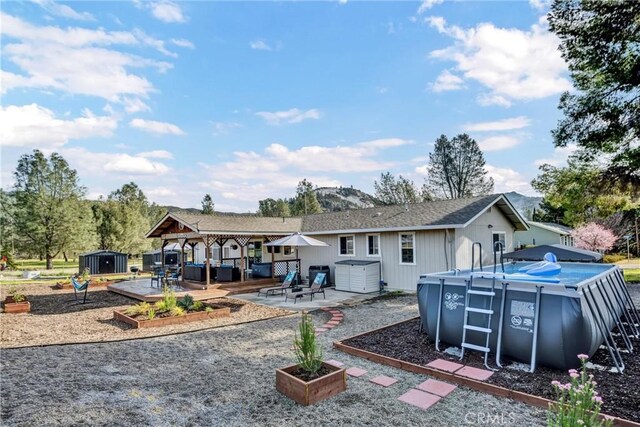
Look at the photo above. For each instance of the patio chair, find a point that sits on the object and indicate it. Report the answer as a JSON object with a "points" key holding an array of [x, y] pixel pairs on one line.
{"points": [[157, 277], [79, 287], [282, 289], [315, 288]]}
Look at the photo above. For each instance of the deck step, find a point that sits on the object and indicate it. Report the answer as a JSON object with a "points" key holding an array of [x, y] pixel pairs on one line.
{"points": [[478, 328], [475, 347], [485, 293], [479, 310]]}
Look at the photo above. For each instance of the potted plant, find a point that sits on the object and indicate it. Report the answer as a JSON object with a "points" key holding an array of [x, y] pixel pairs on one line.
{"points": [[16, 302], [310, 380]]}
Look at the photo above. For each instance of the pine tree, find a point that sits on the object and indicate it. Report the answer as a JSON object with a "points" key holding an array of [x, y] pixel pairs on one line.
{"points": [[208, 205], [456, 169]]}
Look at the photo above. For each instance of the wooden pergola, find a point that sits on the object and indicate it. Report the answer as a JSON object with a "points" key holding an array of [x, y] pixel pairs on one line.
{"points": [[173, 228]]}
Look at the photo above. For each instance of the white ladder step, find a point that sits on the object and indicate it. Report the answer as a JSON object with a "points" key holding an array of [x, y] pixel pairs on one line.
{"points": [[478, 328], [485, 293], [479, 310], [476, 347]]}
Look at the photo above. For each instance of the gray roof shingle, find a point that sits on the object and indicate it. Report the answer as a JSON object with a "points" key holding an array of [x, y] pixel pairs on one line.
{"points": [[240, 223]]}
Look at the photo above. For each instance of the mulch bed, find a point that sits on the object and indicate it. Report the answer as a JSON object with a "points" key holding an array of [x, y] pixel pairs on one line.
{"points": [[621, 393]]}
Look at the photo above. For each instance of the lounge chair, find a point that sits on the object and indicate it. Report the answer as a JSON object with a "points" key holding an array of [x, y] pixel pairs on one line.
{"points": [[315, 288], [79, 287], [282, 289]]}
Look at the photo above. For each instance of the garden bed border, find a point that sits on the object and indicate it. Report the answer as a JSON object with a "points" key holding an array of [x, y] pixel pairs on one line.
{"points": [[481, 386], [172, 320]]}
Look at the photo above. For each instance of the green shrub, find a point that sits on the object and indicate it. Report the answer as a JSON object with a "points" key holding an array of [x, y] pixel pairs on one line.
{"points": [[151, 314], [613, 258], [578, 402], [308, 352], [208, 309], [17, 295], [186, 302], [177, 311], [168, 301], [141, 308]]}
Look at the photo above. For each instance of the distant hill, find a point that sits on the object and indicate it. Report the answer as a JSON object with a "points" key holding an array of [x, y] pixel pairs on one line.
{"points": [[524, 204], [343, 198]]}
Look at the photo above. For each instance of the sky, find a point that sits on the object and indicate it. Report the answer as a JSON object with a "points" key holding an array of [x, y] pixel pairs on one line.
{"points": [[242, 100]]}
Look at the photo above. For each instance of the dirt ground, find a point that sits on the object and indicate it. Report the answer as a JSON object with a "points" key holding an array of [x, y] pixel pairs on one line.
{"points": [[55, 319]]}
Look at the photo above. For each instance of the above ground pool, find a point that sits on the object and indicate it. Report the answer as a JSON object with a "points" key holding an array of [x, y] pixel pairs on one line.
{"points": [[542, 320]]}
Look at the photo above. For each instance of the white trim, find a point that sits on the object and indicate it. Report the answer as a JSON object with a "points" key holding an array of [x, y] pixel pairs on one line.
{"points": [[494, 243], [514, 210], [353, 236], [413, 247], [367, 245], [384, 230]]}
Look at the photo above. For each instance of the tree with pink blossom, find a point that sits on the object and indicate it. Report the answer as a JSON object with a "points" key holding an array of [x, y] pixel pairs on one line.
{"points": [[593, 237]]}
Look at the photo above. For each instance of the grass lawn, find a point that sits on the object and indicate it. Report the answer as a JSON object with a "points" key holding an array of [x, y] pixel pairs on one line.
{"points": [[36, 264], [632, 275]]}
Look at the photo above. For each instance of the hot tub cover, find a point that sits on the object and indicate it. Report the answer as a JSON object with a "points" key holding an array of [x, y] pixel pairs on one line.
{"points": [[563, 252]]}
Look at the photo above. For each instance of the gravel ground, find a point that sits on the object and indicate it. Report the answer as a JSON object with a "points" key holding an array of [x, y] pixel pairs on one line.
{"points": [[54, 319], [225, 376]]}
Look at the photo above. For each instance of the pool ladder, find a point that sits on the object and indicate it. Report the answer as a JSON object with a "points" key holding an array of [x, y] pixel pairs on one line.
{"points": [[489, 312]]}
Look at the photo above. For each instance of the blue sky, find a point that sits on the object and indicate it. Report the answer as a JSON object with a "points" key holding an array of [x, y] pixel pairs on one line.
{"points": [[244, 99]]}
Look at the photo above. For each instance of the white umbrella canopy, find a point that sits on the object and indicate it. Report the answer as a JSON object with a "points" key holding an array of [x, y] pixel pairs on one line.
{"points": [[297, 240]]}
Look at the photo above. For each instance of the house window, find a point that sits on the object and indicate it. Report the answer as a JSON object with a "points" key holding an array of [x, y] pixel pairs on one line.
{"points": [[373, 245], [287, 251], [499, 236], [347, 246], [225, 252], [407, 248]]}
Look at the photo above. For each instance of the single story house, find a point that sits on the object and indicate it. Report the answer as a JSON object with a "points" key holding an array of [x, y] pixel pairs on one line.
{"points": [[407, 240], [544, 233]]}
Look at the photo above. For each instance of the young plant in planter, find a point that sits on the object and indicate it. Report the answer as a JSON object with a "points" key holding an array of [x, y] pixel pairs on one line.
{"points": [[16, 302], [310, 380]]}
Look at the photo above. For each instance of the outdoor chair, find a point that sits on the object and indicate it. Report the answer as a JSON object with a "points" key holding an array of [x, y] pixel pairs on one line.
{"points": [[172, 277], [315, 288], [79, 287], [282, 289], [157, 277]]}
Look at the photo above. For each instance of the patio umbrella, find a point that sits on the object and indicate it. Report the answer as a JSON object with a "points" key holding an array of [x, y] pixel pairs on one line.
{"points": [[296, 240]]}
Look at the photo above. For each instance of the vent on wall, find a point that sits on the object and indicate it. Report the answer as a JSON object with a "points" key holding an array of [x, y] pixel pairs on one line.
{"points": [[489, 210]]}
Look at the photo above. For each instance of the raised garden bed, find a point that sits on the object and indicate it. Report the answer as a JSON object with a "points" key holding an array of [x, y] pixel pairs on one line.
{"points": [[10, 306], [165, 319], [291, 382], [403, 345]]}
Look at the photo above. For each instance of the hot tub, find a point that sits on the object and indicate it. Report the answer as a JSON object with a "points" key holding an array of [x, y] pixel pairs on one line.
{"points": [[573, 316]]}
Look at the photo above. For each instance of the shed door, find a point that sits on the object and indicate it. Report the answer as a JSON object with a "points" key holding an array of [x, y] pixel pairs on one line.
{"points": [[107, 264]]}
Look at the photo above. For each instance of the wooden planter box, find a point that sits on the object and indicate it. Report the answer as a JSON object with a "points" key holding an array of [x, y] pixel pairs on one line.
{"points": [[308, 393], [11, 306], [173, 320]]}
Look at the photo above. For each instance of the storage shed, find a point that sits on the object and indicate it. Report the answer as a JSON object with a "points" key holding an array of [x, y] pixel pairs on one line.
{"points": [[357, 276], [103, 262]]}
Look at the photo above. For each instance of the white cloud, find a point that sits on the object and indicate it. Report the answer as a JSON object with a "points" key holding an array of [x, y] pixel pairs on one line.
{"points": [[498, 142], [291, 116], [447, 81], [487, 99], [223, 128], [559, 156], [506, 180], [134, 105], [540, 5], [183, 43], [428, 4], [282, 168], [63, 10], [167, 11], [382, 89], [156, 154], [513, 123], [513, 64], [36, 126], [260, 45], [78, 61], [158, 128], [112, 165]]}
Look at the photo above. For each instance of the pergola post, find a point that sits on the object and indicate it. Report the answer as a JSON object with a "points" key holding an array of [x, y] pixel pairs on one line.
{"points": [[182, 243], [193, 251], [164, 243], [242, 241]]}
